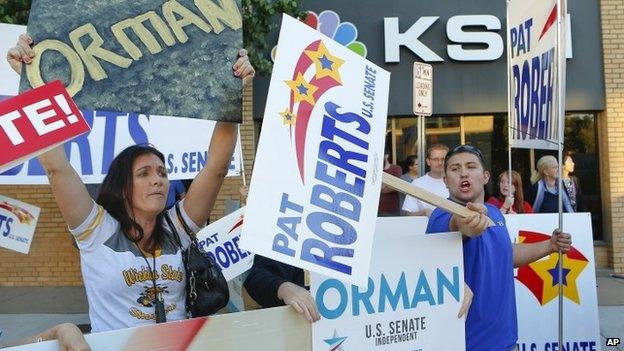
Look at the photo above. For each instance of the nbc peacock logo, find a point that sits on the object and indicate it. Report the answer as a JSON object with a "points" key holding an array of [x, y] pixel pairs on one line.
{"points": [[328, 23]]}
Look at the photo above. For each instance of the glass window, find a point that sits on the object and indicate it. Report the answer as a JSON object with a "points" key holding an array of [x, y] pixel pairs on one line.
{"points": [[489, 133]]}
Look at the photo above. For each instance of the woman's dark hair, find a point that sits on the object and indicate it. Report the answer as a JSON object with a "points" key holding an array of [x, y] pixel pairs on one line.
{"points": [[116, 194]]}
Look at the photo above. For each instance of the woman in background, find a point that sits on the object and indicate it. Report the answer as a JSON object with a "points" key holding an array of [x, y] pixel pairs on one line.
{"points": [[571, 183], [543, 194], [510, 201]]}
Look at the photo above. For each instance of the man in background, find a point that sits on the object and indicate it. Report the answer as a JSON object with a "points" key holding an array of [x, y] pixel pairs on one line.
{"points": [[433, 181]]}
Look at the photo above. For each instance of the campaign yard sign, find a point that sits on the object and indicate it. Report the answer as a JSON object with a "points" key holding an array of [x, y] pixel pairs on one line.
{"points": [[412, 298], [36, 121], [221, 239], [533, 71], [18, 221], [317, 175], [537, 286], [171, 58]]}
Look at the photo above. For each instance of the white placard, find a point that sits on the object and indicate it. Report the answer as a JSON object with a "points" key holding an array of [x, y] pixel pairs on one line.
{"points": [[537, 288], [317, 174], [411, 300], [220, 240], [18, 221], [533, 100]]}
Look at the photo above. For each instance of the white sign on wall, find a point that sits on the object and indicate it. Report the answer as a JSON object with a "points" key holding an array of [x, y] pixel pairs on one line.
{"points": [[423, 89]]}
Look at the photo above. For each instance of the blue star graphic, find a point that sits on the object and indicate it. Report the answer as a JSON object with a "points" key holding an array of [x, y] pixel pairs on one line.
{"points": [[326, 63], [555, 274], [302, 89], [335, 341]]}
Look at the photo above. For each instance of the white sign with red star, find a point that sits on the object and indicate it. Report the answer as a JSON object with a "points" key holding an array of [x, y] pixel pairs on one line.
{"points": [[537, 285]]}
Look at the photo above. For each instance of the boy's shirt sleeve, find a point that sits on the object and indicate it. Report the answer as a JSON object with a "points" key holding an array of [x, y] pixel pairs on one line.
{"points": [[438, 222]]}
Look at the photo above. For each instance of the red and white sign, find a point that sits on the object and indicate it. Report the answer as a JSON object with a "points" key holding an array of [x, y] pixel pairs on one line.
{"points": [[36, 121], [423, 89], [18, 221]]}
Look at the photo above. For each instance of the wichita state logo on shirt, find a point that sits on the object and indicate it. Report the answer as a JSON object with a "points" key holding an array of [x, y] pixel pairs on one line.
{"points": [[147, 297]]}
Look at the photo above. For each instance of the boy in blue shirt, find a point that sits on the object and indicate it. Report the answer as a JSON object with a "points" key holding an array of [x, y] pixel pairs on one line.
{"points": [[489, 255]]}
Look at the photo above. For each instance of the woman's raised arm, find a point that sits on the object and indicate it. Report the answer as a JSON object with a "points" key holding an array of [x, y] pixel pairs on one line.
{"points": [[201, 196], [71, 195]]}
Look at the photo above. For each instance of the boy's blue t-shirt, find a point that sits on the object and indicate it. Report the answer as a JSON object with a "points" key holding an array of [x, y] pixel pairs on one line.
{"points": [[488, 270]]}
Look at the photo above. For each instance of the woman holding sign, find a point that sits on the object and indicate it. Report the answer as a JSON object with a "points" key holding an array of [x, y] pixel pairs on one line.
{"points": [[131, 264]]}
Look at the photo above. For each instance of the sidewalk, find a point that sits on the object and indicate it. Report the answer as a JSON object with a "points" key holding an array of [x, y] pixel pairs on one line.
{"points": [[25, 311], [610, 307]]}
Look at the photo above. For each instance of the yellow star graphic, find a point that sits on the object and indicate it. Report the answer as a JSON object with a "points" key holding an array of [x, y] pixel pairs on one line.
{"points": [[303, 90], [288, 117], [326, 64], [570, 290]]}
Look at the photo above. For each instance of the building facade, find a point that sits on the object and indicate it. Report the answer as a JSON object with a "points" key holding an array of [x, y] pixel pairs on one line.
{"points": [[465, 41]]}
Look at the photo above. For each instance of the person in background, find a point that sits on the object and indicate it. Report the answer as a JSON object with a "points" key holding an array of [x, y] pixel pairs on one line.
{"points": [[389, 198], [489, 255], [543, 194], [68, 335], [571, 184], [177, 192], [510, 201], [411, 162], [433, 181]]}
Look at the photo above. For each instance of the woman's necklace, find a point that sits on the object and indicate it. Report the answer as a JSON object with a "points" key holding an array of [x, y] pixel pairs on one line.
{"points": [[159, 301]]}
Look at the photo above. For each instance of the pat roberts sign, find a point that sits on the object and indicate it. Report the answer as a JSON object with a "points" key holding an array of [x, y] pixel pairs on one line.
{"points": [[155, 57], [317, 175]]}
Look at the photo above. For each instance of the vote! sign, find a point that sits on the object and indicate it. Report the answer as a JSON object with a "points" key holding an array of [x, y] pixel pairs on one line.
{"points": [[36, 121], [317, 175], [533, 72]]}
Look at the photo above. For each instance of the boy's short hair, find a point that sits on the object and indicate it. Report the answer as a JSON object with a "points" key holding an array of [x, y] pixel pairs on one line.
{"points": [[471, 149]]}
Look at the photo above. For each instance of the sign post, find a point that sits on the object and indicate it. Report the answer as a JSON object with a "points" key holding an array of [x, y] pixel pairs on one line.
{"points": [[423, 105]]}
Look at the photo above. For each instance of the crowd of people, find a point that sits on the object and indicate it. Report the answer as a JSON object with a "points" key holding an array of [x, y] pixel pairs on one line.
{"points": [[131, 262], [510, 198]]}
